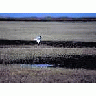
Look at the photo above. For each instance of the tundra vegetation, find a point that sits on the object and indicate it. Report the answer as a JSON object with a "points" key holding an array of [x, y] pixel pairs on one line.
{"points": [[70, 47]]}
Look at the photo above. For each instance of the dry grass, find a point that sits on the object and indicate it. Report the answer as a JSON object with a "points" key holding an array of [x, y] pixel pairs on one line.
{"points": [[49, 31], [62, 31], [29, 53], [11, 74]]}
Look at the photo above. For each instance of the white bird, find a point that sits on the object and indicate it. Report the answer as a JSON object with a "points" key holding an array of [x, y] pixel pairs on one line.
{"points": [[38, 39]]}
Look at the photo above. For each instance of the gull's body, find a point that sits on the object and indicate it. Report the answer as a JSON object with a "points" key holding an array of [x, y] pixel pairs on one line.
{"points": [[38, 39]]}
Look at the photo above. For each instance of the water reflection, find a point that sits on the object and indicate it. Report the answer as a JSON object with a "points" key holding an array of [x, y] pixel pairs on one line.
{"points": [[36, 65]]}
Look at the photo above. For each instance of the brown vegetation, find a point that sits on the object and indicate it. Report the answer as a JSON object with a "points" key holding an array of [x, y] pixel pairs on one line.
{"points": [[67, 45], [46, 75]]}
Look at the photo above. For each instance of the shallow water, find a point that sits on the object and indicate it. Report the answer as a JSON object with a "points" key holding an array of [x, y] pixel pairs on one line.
{"points": [[35, 65]]}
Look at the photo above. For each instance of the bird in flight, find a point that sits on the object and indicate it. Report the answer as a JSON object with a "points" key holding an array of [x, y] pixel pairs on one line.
{"points": [[38, 39]]}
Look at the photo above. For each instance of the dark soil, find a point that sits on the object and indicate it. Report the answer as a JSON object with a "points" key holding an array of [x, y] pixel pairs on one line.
{"points": [[66, 61], [65, 44]]}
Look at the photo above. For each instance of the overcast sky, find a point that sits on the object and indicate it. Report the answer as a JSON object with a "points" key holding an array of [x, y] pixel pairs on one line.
{"points": [[48, 14]]}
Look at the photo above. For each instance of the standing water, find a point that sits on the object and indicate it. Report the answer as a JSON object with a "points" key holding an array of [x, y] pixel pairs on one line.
{"points": [[36, 65]]}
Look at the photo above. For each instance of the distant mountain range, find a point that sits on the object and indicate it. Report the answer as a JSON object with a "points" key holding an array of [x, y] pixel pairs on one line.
{"points": [[48, 18]]}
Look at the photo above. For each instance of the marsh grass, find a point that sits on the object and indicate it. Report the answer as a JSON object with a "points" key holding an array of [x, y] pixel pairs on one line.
{"points": [[16, 74], [29, 53], [62, 57], [49, 31]]}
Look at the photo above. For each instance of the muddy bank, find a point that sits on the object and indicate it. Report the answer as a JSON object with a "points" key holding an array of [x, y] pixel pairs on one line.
{"points": [[65, 44], [67, 61]]}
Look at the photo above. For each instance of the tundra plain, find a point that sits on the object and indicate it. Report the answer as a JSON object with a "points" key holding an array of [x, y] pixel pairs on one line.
{"points": [[54, 32]]}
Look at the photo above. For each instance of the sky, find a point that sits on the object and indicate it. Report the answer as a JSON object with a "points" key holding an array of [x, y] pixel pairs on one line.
{"points": [[74, 15]]}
